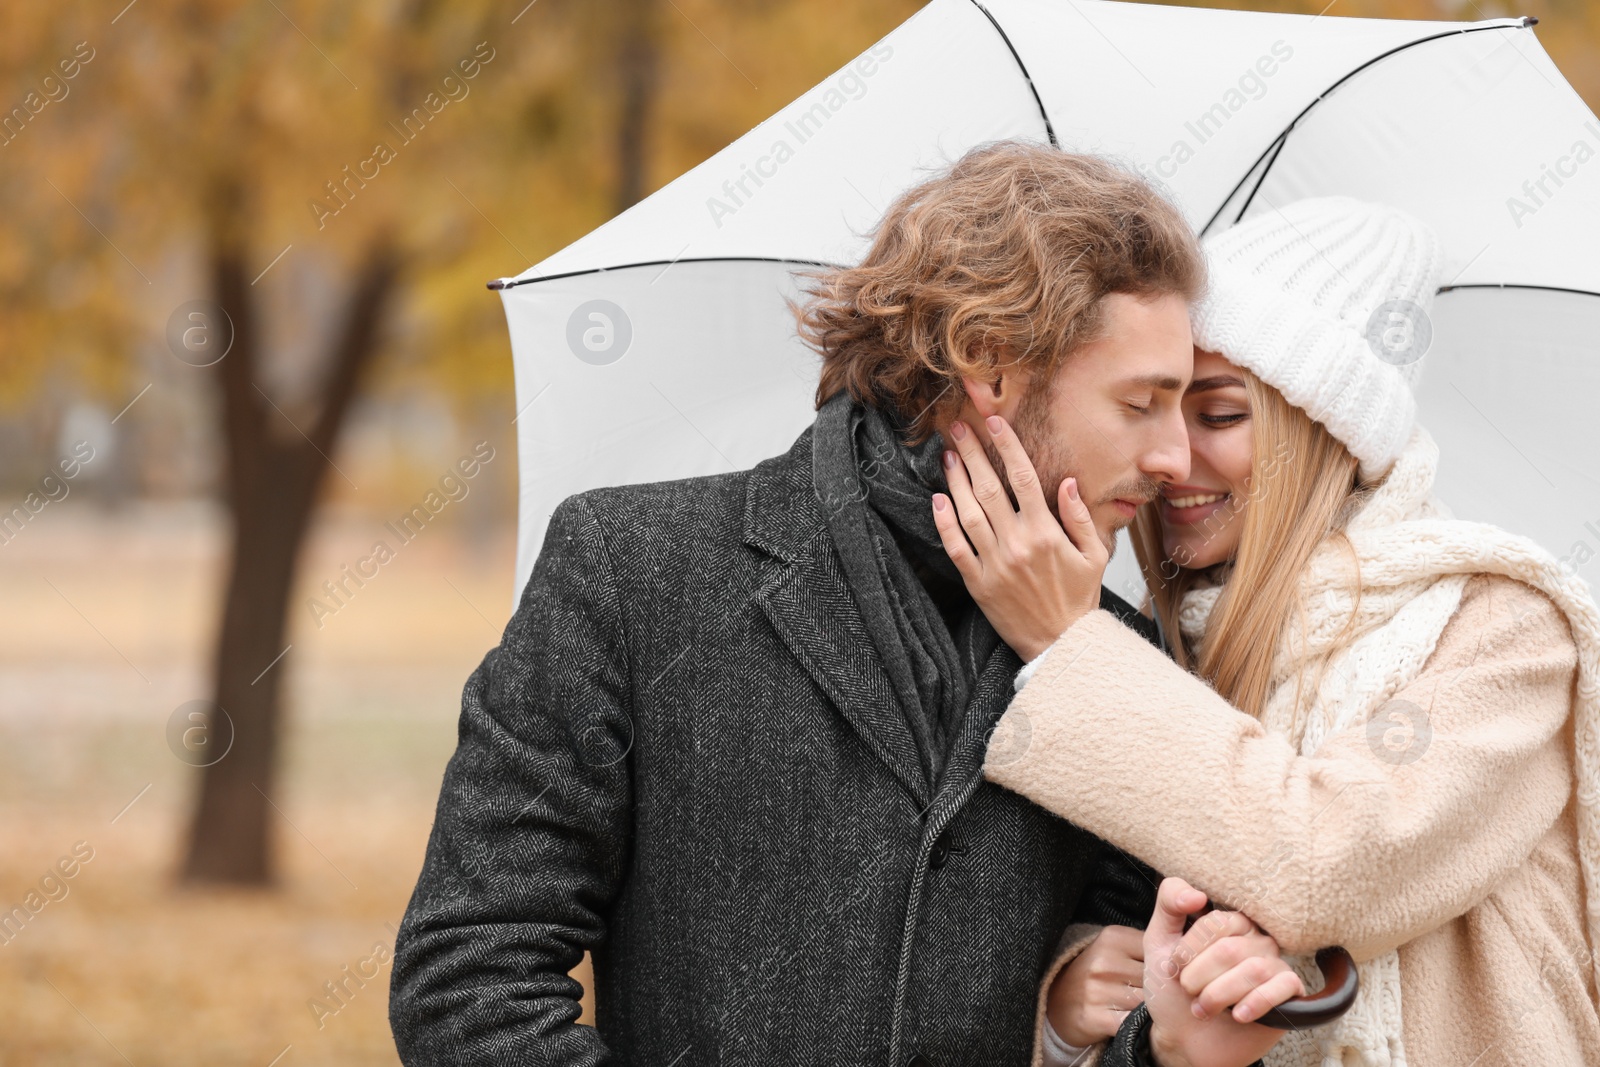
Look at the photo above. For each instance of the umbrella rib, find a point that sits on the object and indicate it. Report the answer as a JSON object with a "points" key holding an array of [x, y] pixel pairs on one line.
{"points": [[1276, 146], [501, 283], [1518, 285], [1282, 140], [1049, 129]]}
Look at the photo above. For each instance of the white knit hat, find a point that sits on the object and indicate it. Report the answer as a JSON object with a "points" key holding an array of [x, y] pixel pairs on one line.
{"points": [[1326, 300]]}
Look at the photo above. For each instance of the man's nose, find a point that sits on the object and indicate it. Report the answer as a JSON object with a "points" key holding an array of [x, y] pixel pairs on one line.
{"points": [[1167, 458]]}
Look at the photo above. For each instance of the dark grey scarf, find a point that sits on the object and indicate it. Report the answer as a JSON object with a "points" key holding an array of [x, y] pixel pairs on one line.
{"points": [[877, 498]]}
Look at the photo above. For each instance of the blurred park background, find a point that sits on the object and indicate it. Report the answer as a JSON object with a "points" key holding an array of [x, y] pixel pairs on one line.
{"points": [[201, 496]]}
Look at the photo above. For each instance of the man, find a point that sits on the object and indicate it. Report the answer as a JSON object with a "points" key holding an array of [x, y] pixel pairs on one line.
{"points": [[732, 739]]}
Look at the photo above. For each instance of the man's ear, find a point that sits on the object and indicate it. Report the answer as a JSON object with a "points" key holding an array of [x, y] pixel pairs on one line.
{"points": [[1001, 395]]}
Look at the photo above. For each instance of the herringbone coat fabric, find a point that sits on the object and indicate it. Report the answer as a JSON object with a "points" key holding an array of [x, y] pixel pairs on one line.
{"points": [[685, 757]]}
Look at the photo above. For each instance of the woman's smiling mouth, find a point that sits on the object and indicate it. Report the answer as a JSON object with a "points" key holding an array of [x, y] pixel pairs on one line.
{"points": [[1184, 505]]}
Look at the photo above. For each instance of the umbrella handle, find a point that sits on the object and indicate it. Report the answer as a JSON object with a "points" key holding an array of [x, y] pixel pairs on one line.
{"points": [[1339, 987]]}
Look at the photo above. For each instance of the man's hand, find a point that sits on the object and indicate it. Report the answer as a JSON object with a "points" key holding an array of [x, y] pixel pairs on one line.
{"points": [[1093, 994], [1191, 979]]}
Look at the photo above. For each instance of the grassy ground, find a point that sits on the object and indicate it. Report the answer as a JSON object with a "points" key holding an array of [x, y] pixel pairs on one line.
{"points": [[105, 631]]}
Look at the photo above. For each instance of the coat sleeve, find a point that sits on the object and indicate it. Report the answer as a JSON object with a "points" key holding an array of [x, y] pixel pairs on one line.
{"points": [[1074, 939], [530, 839], [1357, 845], [1131, 1045], [1121, 892]]}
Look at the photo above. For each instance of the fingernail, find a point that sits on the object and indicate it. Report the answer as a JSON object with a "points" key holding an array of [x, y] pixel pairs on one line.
{"points": [[958, 430], [996, 424], [950, 459], [1072, 488], [939, 502], [1199, 1012]]}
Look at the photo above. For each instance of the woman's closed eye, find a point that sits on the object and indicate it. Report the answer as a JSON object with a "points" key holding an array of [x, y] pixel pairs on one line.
{"points": [[1223, 419]]}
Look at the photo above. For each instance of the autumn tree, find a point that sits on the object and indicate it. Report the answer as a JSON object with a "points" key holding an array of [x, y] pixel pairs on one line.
{"points": [[272, 190]]}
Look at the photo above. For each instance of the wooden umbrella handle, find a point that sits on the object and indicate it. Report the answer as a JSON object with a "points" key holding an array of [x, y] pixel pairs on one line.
{"points": [[1339, 986]]}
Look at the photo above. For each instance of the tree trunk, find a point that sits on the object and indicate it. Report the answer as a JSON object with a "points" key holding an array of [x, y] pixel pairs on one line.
{"points": [[639, 64], [229, 839], [273, 474]]}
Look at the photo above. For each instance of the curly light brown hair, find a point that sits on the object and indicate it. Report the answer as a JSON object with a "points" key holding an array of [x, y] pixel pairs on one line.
{"points": [[1001, 263]]}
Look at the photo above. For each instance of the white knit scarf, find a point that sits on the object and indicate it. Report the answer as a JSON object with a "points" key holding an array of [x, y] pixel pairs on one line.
{"points": [[1332, 673]]}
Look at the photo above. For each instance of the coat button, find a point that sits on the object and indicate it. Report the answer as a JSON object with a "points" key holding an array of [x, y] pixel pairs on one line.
{"points": [[942, 849], [919, 1060]]}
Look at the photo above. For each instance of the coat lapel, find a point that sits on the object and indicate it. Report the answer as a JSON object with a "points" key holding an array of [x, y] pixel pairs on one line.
{"points": [[810, 604], [990, 696]]}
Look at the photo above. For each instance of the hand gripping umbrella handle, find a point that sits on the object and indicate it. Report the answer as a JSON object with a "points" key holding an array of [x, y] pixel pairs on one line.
{"points": [[1339, 986]]}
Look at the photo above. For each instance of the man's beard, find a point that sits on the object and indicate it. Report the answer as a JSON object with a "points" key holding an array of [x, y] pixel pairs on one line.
{"points": [[1053, 461]]}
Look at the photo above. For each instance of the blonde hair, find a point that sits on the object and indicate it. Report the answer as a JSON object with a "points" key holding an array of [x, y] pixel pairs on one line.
{"points": [[1002, 262], [1303, 487]]}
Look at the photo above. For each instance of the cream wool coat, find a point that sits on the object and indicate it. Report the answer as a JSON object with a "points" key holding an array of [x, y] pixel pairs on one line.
{"points": [[1464, 859]]}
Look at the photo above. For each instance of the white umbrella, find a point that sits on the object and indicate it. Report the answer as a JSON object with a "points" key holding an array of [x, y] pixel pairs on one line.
{"points": [[659, 345]]}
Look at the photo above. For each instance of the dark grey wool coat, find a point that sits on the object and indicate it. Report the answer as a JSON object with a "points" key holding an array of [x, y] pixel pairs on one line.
{"points": [[685, 757]]}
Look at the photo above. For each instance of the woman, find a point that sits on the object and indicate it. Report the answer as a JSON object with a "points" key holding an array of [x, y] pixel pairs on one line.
{"points": [[1382, 725]]}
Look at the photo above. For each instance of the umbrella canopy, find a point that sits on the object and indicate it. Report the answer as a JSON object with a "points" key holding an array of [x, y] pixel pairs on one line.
{"points": [[661, 345]]}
